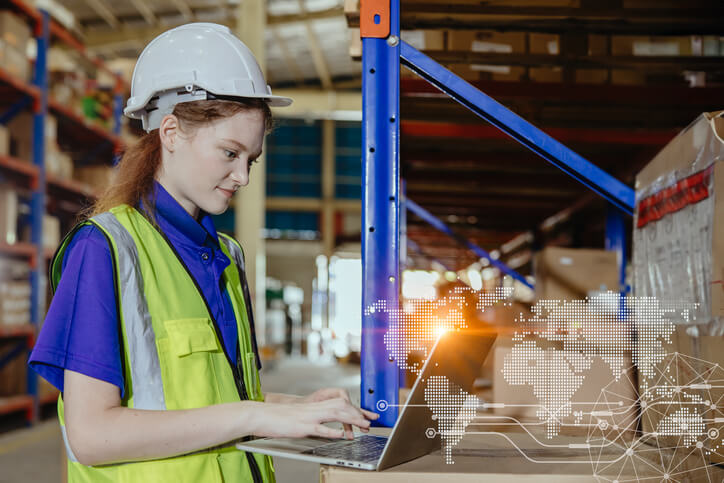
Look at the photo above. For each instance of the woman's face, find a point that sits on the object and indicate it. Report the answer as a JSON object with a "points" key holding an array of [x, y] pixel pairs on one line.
{"points": [[204, 168]]}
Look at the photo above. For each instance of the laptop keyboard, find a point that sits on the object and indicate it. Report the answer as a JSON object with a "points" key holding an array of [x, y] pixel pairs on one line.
{"points": [[365, 448]]}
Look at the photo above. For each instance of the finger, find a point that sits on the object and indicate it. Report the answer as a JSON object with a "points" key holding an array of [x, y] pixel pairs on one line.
{"points": [[348, 431], [327, 432], [369, 414]]}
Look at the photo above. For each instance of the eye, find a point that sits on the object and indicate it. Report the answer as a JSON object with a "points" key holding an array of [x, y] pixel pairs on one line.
{"points": [[230, 154]]}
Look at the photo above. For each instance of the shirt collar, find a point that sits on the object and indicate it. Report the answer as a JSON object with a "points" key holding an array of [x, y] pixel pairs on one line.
{"points": [[170, 211]]}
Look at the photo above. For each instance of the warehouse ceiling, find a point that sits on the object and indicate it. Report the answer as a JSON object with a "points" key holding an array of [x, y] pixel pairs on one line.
{"points": [[306, 40], [614, 80]]}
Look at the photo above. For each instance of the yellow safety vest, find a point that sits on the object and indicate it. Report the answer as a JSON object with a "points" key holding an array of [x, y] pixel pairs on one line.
{"points": [[172, 352]]}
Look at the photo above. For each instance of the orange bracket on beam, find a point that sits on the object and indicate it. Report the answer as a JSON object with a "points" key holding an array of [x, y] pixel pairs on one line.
{"points": [[374, 19]]}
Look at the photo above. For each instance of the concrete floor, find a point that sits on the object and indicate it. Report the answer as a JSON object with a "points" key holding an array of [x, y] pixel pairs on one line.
{"points": [[33, 454]]}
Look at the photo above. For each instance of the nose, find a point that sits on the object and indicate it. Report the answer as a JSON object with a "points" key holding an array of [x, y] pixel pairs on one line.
{"points": [[240, 175]]}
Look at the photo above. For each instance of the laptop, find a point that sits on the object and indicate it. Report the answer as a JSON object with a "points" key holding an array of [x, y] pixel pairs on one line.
{"points": [[457, 356]]}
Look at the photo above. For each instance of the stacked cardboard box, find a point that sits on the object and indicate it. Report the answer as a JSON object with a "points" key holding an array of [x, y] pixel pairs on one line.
{"points": [[57, 163], [13, 376], [481, 42], [678, 254], [14, 38], [591, 341], [8, 215], [14, 291], [97, 177], [4, 141], [574, 273]]}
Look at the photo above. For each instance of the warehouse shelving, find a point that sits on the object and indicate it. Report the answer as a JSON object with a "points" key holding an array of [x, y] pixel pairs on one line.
{"points": [[74, 130], [382, 54]]}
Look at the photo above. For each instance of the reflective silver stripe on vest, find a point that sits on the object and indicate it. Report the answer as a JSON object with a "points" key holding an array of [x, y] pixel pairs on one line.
{"points": [[235, 251], [68, 450], [141, 342]]}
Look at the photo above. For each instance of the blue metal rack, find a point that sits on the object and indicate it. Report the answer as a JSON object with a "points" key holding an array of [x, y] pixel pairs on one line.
{"points": [[382, 53], [36, 97]]}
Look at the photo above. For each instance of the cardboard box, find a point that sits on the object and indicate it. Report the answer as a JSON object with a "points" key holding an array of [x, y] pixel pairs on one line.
{"points": [[627, 77], [598, 385], [573, 273], [51, 232], [14, 30], [14, 302], [58, 163], [97, 177], [544, 43], [484, 41], [4, 141], [14, 269], [591, 76], [678, 240], [680, 418], [424, 39], [21, 134], [546, 74], [13, 376], [8, 215], [481, 458], [14, 61], [678, 255]]}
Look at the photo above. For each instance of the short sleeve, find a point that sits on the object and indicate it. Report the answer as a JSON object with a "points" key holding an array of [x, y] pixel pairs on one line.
{"points": [[81, 331]]}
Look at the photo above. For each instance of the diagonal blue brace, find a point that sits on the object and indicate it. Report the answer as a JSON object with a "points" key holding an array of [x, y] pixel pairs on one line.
{"points": [[416, 248], [15, 109], [613, 190], [14, 352], [435, 222]]}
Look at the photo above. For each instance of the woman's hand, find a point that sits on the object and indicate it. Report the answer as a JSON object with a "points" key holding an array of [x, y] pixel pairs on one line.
{"points": [[334, 392], [306, 418]]}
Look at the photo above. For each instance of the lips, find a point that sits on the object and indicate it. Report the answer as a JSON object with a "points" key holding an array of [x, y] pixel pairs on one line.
{"points": [[228, 193]]}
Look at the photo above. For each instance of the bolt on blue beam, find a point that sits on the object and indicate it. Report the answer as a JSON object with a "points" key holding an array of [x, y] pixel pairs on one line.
{"points": [[437, 223], [613, 190], [380, 218]]}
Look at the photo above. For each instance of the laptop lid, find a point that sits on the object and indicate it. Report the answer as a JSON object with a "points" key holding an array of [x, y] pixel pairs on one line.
{"points": [[457, 356]]}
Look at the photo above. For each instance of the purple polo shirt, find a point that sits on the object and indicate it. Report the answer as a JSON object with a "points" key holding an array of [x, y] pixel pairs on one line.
{"points": [[81, 329]]}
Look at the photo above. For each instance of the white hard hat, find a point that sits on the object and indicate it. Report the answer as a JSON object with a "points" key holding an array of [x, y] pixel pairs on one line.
{"points": [[194, 62]]}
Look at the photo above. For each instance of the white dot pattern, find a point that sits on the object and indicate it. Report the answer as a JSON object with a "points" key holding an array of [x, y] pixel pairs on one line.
{"points": [[415, 328], [453, 410]]}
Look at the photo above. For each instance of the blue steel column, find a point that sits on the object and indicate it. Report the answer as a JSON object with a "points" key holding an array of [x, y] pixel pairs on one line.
{"points": [[117, 113], [616, 241], [40, 80], [380, 215]]}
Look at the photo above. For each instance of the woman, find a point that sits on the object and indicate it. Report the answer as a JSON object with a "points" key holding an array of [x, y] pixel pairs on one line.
{"points": [[150, 334]]}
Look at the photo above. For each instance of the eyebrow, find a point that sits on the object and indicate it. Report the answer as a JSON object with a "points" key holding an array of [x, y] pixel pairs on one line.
{"points": [[242, 146]]}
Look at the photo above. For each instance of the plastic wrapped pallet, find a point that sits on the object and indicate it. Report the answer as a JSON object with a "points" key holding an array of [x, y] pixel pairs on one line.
{"points": [[678, 256], [678, 239]]}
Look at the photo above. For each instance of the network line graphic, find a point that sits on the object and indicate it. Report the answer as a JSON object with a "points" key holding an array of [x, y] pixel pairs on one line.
{"points": [[669, 421]]}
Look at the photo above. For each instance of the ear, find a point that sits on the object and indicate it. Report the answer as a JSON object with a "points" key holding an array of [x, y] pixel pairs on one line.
{"points": [[168, 131]]}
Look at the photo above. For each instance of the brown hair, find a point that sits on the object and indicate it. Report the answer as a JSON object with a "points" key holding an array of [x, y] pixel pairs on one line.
{"points": [[136, 171]]}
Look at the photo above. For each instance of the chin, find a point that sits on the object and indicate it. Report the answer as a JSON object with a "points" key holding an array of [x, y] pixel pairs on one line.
{"points": [[215, 208]]}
